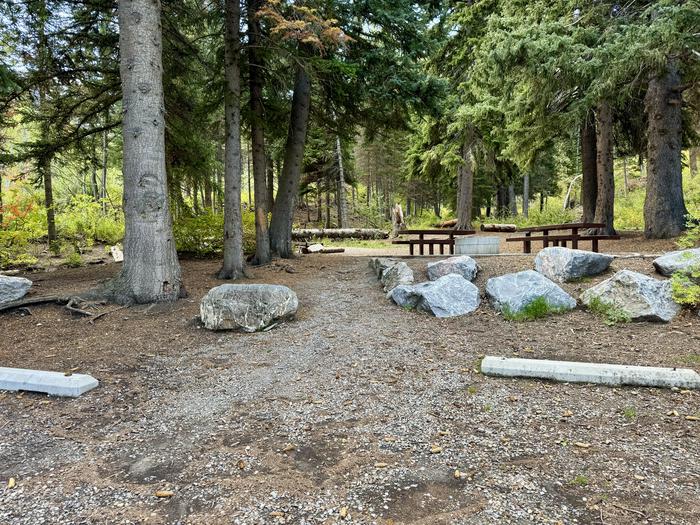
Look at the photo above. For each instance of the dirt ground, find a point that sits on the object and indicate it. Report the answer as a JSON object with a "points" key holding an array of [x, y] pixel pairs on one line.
{"points": [[342, 409]]}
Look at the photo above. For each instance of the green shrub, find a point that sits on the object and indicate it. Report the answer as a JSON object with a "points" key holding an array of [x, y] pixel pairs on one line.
{"points": [[74, 260], [611, 314], [203, 235], [14, 249], [83, 222], [535, 309]]}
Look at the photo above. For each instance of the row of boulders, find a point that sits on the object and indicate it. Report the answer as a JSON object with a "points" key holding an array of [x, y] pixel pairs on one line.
{"points": [[449, 291], [13, 288]]}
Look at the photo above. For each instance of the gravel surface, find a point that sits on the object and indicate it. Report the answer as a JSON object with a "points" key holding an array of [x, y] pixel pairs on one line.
{"points": [[357, 412]]}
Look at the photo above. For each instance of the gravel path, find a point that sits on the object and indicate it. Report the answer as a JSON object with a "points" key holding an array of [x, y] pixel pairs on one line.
{"points": [[357, 412]]}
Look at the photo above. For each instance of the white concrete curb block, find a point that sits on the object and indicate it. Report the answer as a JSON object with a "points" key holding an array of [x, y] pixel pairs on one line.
{"points": [[53, 383], [604, 374]]}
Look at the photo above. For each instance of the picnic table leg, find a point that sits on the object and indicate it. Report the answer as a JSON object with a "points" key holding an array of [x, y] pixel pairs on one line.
{"points": [[594, 245], [430, 248], [563, 243], [452, 247], [420, 238], [442, 249], [545, 239], [574, 240], [527, 245], [410, 249]]}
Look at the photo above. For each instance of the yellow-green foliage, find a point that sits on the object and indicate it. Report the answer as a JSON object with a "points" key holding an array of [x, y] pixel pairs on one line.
{"points": [[83, 221], [203, 235]]}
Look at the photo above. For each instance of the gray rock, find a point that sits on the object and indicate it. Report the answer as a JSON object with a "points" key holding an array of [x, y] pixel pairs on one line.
{"points": [[685, 261], [461, 265], [247, 307], [564, 264], [13, 288], [639, 297], [511, 293], [448, 296], [381, 264], [396, 275]]}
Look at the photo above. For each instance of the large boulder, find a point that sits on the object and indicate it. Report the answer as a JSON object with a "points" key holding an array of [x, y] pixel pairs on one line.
{"points": [[13, 288], [448, 296], [635, 295], [461, 265], [513, 292], [396, 275], [686, 262], [247, 307], [564, 264], [380, 264]]}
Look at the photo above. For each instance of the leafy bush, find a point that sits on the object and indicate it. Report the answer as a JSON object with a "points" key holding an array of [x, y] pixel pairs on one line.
{"points": [[14, 249], [83, 222], [203, 235]]}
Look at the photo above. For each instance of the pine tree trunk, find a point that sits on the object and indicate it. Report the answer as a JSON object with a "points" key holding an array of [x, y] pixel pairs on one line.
{"points": [[526, 195], [255, 71], [664, 207], [605, 202], [328, 209], [233, 167], [288, 184], [103, 185], [319, 204], [342, 219], [589, 183], [151, 272], [44, 169], [693, 161], [465, 189], [1, 204], [512, 203], [270, 165], [248, 173]]}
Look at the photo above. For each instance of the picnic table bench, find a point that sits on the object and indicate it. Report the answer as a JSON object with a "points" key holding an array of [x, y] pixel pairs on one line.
{"points": [[422, 241], [561, 239]]}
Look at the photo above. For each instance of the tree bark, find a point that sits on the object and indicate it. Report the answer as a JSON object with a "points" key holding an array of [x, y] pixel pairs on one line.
{"points": [[589, 183], [693, 161], [151, 271], [512, 203], [233, 220], [44, 162], [105, 158], [526, 195], [664, 206], [288, 184], [270, 165], [465, 189], [605, 202], [255, 70], [342, 218]]}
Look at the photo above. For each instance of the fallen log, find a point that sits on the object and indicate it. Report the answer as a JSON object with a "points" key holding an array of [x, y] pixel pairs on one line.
{"points": [[499, 228], [339, 233], [447, 224]]}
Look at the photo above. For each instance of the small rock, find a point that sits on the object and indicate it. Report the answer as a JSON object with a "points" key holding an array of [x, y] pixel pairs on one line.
{"points": [[396, 275], [565, 264], [247, 307], [461, 265], [515, 291], [684, 261], [13, 288], [449, 296], [381, 264], [638, 297]]}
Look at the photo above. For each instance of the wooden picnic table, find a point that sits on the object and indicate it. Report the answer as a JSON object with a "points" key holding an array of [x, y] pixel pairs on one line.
{"points": [[561, 239], [421, 242]]}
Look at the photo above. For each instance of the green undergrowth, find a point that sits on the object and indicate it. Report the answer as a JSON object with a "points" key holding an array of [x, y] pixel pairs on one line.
{"points": [[611, 314], [536, 309]]}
